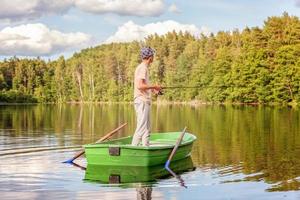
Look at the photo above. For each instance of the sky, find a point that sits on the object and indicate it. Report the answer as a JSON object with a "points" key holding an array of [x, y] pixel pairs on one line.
{"points": [[51, 28]]}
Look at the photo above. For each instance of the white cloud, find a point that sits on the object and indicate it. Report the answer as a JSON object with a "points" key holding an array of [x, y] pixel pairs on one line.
{"points": [[174, 9], [39, 40], [122, 7], [15, 10], [130, 31]]}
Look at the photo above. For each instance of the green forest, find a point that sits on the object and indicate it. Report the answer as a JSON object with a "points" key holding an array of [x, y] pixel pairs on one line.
{"points": [[254, 65]]}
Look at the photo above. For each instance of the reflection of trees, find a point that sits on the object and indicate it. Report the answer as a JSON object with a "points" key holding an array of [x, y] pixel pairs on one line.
{"points": [[68, 123], [252, 140], [261, 140]]}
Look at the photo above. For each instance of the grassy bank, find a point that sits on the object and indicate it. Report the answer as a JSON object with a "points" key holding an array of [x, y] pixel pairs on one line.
{"points": [[13, 96]]}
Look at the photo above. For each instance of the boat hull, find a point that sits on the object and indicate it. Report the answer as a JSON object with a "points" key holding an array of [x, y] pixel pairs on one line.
{"points": [[121, 153]]}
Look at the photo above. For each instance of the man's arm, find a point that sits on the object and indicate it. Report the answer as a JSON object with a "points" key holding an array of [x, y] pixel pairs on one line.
{"points": [[143, 86]]}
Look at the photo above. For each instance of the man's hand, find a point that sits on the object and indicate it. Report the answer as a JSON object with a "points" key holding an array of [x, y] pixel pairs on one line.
{"points": [[157, 88]]}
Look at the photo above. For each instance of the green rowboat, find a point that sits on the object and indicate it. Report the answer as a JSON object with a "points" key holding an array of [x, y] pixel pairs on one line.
{"points": [[120, 152]]}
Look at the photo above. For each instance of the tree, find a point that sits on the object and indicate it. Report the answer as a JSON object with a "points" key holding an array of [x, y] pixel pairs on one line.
{"points": [[286, 75]]}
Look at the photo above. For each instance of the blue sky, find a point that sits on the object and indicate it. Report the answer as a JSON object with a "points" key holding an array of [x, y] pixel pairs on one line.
{"points": [[50, 28]]}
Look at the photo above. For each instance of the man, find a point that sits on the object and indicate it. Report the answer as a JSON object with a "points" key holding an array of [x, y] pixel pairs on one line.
{"points": [[142, 97]]}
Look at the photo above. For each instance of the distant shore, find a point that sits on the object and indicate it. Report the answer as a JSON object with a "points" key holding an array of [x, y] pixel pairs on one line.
{"points": [[160, 102]]}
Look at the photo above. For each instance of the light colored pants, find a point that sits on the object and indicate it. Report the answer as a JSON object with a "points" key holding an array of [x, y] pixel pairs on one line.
{"points": [[142, 131], [144, 193]]}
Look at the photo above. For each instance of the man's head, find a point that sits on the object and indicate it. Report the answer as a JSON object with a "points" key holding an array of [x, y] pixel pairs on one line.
{"points": [[147, 54]]}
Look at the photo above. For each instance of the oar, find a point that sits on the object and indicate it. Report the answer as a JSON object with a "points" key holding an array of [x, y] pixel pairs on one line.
{"points": [[108, 135], [178, 177], [175, 149], [78, 166]]}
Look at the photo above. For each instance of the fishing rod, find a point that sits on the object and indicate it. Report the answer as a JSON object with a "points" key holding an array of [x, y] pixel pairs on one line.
{"points": [[192, 87], [176, 87], [179, 87]]}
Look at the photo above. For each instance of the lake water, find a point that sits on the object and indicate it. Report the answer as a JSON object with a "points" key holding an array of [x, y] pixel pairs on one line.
{"points": [[242, 152]]}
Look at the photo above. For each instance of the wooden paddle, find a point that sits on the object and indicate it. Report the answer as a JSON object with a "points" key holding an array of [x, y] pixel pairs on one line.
{"points": [[175, 149], [107, 136]]}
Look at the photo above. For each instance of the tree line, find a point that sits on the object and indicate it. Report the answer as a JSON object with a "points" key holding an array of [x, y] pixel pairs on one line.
{"points": [[254, 65]]}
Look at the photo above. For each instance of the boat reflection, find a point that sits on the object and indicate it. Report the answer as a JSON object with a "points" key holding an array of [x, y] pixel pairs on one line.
{"points": [[129, 176]]}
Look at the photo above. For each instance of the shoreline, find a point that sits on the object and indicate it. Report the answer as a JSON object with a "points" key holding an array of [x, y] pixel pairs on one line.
{"points": [[159, 103]]}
